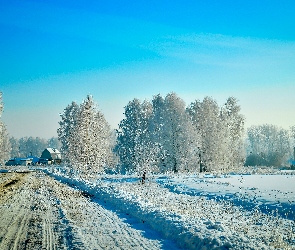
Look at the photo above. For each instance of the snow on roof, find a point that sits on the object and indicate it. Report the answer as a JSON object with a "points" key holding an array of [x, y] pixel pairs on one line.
{"points": [[53, 150]]}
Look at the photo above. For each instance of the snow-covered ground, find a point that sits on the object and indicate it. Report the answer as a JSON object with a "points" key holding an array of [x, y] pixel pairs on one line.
{"points": [[272, 194], [38, 212], [193, 211], [202, 211]]}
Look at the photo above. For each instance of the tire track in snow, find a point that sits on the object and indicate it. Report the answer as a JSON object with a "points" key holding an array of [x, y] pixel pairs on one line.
{"points": [[43, 213], [16, 231], [20, 228], [29, 218], [48, 235], [101, 227]]}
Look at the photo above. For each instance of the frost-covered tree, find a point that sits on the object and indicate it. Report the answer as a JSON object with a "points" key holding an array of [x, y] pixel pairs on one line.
{"points": [[157, 137], [233, 123], [292, 132], [66, 128], [292, 137], [178, 136], [292, 145], [4, 138], [1, 104], [269, 145], [206, 118], [113, 165], [156, 133], [221, 132], [132, 136], [85, 137], [4, 144]]}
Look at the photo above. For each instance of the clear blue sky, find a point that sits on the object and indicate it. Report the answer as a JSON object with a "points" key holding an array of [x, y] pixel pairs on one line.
{"points": [[54, 52]]}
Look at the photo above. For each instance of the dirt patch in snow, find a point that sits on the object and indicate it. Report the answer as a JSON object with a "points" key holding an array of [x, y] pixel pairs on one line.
{"points": [[9, 183]]}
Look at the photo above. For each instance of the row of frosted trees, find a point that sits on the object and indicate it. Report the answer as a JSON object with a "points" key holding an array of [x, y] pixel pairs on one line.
{"points": [[163, 135], [160, 135], [155, 136]]}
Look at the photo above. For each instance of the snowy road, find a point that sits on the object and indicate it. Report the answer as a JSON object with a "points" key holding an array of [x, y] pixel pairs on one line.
{"points": [[49, 209], [38, 212]]}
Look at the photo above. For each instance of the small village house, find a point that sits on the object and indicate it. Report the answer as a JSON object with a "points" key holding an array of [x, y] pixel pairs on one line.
{"points": [[52, 154]]}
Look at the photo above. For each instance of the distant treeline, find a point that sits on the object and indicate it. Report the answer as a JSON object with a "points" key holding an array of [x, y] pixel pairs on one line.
{"points": [[27, 146], [269, 145]]}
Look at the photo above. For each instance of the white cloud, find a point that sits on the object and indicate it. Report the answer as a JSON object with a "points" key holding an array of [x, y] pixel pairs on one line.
{"points": [[227, 51]]}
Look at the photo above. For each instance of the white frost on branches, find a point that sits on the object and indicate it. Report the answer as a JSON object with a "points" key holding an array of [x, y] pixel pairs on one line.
{"points": [[4, 138], [86, 137], [221, 131], [162, 135]]}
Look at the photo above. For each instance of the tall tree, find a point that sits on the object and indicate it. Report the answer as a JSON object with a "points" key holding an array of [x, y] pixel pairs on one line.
{"points": [[53, 142], [14, 142], [179, 138], [66, 128], [85, 136], [4, 138], [4, 143], [292, 145], [156, 133], [1, 104], [30, 146], [206, 119], [233, 123], [292, 136], [132, 136]]}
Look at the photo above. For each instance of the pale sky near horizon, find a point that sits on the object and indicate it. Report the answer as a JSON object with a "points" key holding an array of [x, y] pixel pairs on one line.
{"points": [[54, 52]]}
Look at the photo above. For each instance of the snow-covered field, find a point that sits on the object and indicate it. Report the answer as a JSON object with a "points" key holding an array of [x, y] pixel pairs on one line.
{"points": [[193, 211]]}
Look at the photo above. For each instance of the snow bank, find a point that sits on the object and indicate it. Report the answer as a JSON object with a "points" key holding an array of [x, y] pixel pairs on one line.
{"points": [[272, 194], [193, 221]]}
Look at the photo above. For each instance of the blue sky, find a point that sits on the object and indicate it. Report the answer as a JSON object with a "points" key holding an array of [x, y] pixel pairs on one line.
{"points": [[54, 52]]}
